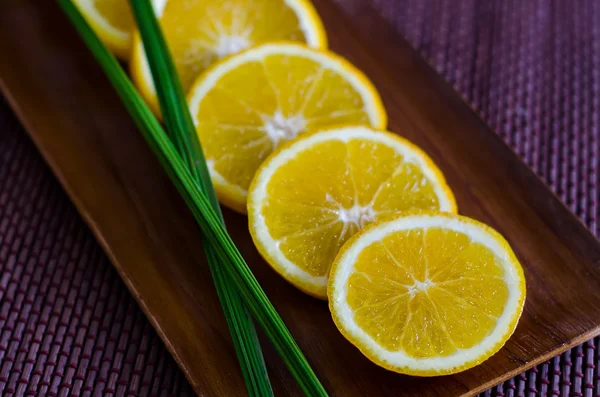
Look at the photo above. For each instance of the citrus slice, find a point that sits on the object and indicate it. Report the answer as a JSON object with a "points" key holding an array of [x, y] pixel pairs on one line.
{"points": [[247, 105], [427, 293], [200, 32], [314, 193], [112, 21]]}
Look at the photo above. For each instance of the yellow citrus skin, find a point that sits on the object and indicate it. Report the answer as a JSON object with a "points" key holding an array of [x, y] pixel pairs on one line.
{"points": [[298, 189], [202, 32], [246, 106], [475, 354]]}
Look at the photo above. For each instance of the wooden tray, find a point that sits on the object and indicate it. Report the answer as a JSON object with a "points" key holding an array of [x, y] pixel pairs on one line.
{"points": [[79, 125]]}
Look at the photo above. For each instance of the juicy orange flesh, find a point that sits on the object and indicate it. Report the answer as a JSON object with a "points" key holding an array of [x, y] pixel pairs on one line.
{"points": [[306, 196], [117, 13], [233, 116], [200, 32], [427, 292]]}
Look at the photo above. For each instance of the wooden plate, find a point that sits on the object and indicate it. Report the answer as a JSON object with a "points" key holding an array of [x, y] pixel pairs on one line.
{"points": [[85, 134]]}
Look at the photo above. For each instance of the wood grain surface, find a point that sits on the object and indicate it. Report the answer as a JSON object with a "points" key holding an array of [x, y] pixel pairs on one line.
{"points": [[84, 133]]}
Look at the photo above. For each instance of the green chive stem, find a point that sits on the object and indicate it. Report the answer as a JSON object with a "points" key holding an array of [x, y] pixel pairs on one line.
{"points": [[183, 134], [200, 206]]}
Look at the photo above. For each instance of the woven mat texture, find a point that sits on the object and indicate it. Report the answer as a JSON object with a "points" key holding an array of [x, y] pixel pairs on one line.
{"points": [[68, 325]]}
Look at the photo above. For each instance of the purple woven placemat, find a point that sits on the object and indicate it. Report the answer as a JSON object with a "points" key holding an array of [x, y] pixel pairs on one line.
{"points": [[68, 326]]}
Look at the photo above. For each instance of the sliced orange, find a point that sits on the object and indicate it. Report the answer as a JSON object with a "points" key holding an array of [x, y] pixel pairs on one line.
{"points": [[201, 32], [249, 104], [427, 293], [314, 193]]}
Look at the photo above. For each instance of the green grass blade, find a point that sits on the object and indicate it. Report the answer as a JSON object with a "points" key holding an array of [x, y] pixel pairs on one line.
{"points": [[183, 134], [170, 95], [199, 204]]}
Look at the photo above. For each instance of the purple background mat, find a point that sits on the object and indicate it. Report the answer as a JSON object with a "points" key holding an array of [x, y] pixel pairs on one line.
{"points": [[68, 325]]}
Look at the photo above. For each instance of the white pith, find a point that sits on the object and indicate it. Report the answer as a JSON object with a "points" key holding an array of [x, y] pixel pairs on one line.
{"points": [[357, 215], [398, 359], [419, 286], [280, 128], [231, 44]]}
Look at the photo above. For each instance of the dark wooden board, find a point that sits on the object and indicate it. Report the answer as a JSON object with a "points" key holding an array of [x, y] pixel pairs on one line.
{"points": [[79, 125]]}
